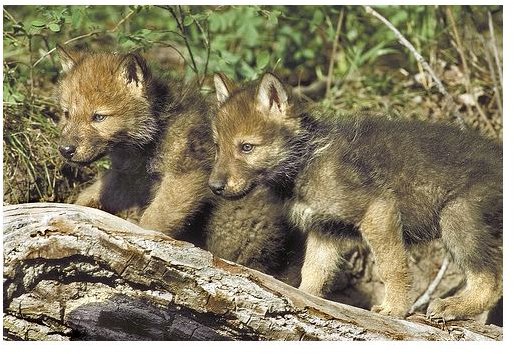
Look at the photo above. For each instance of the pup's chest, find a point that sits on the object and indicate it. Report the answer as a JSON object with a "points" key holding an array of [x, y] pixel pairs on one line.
{"points": [[325, 202]]}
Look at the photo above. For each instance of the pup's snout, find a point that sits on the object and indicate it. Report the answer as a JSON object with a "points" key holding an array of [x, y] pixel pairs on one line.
{"points": [[67, 151], [217, 187]]}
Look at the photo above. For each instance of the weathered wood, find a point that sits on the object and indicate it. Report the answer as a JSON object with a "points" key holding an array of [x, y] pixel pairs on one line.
{"points": [[73, 272]]}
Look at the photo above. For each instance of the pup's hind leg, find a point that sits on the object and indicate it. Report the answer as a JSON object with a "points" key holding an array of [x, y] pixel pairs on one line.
{"points": [[478, 251]]}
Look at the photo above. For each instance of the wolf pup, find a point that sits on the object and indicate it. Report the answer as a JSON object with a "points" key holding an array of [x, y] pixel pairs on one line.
{"points": [[155, 132], [390, 183], [157, 135]]}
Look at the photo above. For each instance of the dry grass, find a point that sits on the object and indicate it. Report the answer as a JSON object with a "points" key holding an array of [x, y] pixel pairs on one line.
{"points": [[466, 56]]}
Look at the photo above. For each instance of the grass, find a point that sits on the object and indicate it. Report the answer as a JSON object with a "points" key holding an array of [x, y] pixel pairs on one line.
{"points": [[368, 69], [33, 169]]}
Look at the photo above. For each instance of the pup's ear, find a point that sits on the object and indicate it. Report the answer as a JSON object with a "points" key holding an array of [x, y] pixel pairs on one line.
{"points": [[272, 96], [224, 87], [68, 57], [134, 70]]}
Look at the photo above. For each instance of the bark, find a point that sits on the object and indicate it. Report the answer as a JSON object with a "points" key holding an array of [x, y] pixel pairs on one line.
{"points": [[72, 272]]}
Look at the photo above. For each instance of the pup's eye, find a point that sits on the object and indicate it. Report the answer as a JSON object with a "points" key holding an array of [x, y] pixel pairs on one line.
{"points": [[247, 147], [66, 114], [98, 117]]}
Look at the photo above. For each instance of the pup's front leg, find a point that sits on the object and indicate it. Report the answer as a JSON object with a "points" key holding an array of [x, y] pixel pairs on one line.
{"points": [[177, 198], [381, 228], [321, 262], [92, 195]]}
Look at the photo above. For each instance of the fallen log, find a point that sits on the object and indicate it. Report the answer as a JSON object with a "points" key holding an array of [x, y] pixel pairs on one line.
{"points": [[72, 272]]}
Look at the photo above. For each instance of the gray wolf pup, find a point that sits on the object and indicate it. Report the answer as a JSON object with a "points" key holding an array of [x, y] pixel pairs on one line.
{"points": [[156, 132], [389, 183]]}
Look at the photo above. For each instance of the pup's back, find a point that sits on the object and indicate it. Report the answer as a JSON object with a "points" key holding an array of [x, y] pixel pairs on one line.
{"points": [[426, 165]]}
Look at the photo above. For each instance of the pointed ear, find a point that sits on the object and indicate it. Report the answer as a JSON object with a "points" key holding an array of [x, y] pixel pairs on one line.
{"points": [[224, 87], [272, 96], [68, 57], [134, 70]]}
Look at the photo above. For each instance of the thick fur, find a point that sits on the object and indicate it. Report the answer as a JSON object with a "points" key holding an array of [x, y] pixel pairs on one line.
{"points": [[156, 133], [391, 183], [252, 231]]}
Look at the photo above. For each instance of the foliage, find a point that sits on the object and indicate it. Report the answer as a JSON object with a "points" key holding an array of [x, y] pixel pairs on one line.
{"points": [[371, 70]]}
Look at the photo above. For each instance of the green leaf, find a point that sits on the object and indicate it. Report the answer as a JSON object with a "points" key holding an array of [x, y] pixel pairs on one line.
{"points": [[54, 27], [38, 23], [201, 16], [399, 17], [248, 71], [216, 22], [262, 60], [229, 57], [352, 34], [76, 17], [308, 53], [188, 20], [34, 30], [317, 18], [250, 33]]}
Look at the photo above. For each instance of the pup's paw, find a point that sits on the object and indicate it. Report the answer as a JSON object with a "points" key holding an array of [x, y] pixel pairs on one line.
{"points": [[88, 201], [388, 310], [442, 310]]}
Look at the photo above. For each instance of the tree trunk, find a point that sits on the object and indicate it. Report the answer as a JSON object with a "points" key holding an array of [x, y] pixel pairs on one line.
{"points": [[72, 272]]}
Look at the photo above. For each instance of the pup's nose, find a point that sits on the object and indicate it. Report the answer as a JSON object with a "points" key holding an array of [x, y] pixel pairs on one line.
{"points": [[217, 187], [67, 151]]}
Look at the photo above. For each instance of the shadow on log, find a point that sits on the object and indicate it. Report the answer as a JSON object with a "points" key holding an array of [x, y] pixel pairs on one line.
{"points": [[72, 272]]}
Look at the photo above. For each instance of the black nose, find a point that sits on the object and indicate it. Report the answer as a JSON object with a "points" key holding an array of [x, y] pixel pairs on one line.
{"points": [[67, 151], [217, 187]]}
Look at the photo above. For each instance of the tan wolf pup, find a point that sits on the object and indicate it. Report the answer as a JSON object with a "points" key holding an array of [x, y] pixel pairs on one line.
{"points": [[389, 183], [156, 132]]}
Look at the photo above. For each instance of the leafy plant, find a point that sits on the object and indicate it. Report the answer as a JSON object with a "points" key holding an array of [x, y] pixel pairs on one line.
{"points": [[370, 69]]}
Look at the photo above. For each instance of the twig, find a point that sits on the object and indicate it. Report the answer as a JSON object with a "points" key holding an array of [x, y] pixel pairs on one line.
{"points": [[166, 44], [423, 62], [90, 34], [424, 299], [334, 51], [315, 89], [10, 16], [465, 69], [31, 69], [460, 49], [207, 44], [493, 75], [495, 49], [179, 19], [123, 20]]}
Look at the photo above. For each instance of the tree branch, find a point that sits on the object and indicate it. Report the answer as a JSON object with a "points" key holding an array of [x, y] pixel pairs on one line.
{"points": [[73, 272], [86, 35]]}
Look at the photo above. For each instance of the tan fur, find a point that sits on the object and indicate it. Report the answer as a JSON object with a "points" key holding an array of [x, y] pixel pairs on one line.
{"points": [[252, 231], [481, 293], [99, 83], [381, 228], [483, 287], [389, 183], [321, 262], [157, 136]]}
